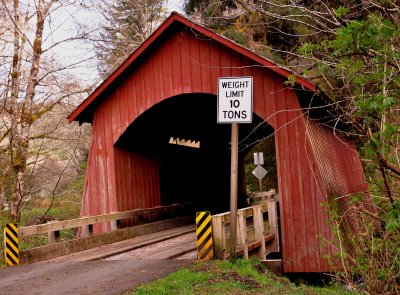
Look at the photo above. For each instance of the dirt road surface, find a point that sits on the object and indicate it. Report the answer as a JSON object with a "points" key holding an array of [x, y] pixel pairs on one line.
{"points": [[85, 277]]}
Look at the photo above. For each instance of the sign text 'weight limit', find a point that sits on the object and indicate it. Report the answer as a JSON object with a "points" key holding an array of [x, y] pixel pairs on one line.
{"points": [[235, 96]]}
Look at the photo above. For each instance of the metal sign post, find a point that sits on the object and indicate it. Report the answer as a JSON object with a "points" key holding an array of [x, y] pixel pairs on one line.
{"points": [[235, 105], [259, 172]]}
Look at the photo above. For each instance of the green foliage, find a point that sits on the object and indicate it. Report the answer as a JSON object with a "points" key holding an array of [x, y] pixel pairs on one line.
{"points": [[341, 11], [291, 80], [392, 218], [218, 277], [270, 181], [370, 260]]}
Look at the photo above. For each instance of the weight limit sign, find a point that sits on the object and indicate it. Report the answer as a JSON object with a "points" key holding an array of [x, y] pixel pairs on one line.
{"points": [[235, 100]]}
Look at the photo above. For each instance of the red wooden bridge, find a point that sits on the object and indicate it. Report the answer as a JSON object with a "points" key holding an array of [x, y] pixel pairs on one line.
{"points": [[166, 90]]}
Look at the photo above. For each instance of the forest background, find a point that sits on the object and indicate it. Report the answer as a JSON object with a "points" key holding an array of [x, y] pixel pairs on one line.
{"points": [[349, 49]]}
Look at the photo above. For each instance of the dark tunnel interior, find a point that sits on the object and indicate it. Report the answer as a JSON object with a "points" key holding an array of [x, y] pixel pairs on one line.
{"points": [[188, 172]]}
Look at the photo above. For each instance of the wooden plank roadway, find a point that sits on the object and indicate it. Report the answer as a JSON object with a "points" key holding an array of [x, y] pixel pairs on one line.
{"points": [[179, 240]]}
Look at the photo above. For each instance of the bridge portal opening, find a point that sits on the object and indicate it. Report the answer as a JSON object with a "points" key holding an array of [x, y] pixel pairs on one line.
{"points": [[193, 151]]}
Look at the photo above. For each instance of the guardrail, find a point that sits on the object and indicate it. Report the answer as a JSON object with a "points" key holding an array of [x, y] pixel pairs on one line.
{"points": [[53, 227], [257, 228], [149, 219]]}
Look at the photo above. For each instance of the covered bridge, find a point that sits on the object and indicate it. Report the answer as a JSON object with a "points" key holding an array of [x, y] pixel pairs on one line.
{"points": [[166, 90]]}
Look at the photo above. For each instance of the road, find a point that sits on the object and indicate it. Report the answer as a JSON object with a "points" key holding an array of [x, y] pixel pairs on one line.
{"points": [[104, 270], [85, 277]]}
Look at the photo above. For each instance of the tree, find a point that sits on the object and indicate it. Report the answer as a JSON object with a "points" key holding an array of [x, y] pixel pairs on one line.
{"points": [[33, 85], [127, 24], [351, 50]]}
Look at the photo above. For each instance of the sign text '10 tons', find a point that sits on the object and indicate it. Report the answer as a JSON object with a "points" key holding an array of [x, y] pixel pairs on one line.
{"points": [[235, 100]]}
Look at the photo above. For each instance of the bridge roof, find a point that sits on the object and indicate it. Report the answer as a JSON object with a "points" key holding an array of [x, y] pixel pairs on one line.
{"points": [[84, 112]]}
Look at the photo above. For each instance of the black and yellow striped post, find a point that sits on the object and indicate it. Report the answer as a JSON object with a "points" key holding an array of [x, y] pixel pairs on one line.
{"points": [[11, 244], [204, 236]]}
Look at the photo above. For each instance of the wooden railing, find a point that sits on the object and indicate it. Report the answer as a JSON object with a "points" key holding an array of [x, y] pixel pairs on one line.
{"points": [[151, 220], [53, 228], [257, 229]]}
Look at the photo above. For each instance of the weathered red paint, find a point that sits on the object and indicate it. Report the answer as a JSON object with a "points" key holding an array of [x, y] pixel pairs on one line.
{"points": [[182, 58]]}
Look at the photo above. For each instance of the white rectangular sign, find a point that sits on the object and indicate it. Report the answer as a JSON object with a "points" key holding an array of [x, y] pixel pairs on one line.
{"points": [[258, 158], [235, 100]]}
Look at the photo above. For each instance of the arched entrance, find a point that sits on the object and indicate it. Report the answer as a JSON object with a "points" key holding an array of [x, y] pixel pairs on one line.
{"points": [[192, 150]]}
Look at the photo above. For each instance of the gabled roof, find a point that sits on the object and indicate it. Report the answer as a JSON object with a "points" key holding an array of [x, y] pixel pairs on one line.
{"points": [[79, 113]]}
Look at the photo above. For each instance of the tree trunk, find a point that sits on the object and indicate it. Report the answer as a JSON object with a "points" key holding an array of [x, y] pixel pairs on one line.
{"points": [[22, 119]]}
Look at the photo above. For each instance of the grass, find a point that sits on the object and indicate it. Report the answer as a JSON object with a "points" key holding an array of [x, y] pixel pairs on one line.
{"points": [[241, 277], [64, 207]]}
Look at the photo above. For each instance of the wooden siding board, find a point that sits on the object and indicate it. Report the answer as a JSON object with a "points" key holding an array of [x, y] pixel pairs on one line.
{"points": [[258, 92], [288, 245], [297, 133], [235, 64], [246, 70], [100, 171], [312, 226], [136, 182], [118, 177], [295, 211], [195, 66], [107, 129], [95, 196], [167, 77], [184, 49], [113, 130], [225, 62], [140, 179], [297, 194], [158, 76], [142, 98], [176, 64], [130, 189], [149, 83], [89, 178], [103, 173], [124, 174], [205, 70], [269, 98], [136, 96], [321, 217], [215, 66], [121, 101], [146, 177]]}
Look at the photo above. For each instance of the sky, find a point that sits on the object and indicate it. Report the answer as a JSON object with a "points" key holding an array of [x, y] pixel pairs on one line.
{"points": [[64, 24], [175, 5]]}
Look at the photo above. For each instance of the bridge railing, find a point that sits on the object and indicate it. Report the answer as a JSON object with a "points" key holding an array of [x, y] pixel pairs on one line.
{"points": [[150, 221], [53, 228], [257, 229]]}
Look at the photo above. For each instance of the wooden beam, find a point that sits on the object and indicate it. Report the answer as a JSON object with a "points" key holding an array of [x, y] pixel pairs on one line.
{"points": [[259, 230], [234, 189], [219, 237], [73, 223], [242, 233]]}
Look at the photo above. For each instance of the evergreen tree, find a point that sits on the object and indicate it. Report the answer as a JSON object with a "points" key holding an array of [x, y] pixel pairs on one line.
{"points": [[127, 24]]}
